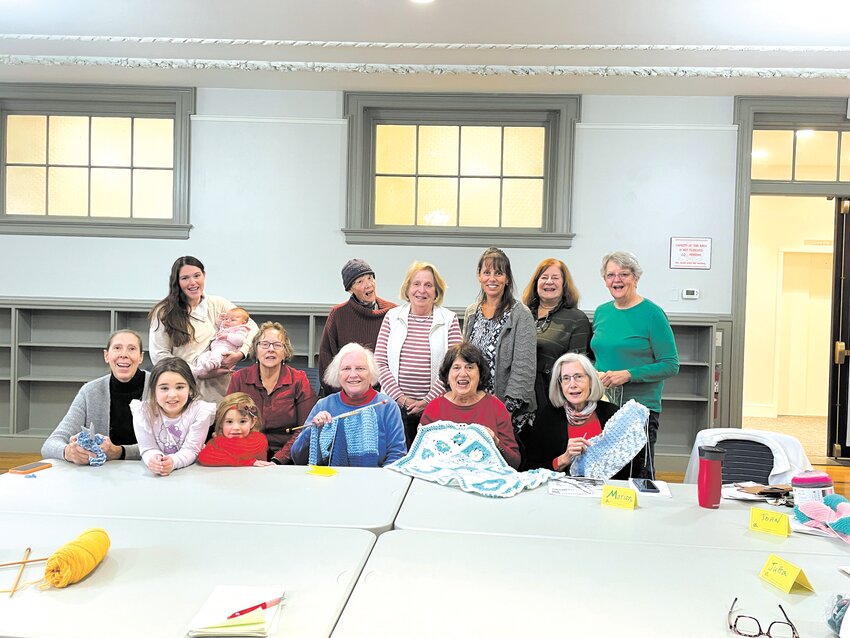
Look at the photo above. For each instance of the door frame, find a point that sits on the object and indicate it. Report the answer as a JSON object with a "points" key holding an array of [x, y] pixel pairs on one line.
{"points": [[789, 112]]}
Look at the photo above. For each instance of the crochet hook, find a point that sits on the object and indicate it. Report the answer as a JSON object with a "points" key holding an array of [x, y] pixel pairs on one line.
{"points": [[345, 414], [20, 572], [265, 605]]}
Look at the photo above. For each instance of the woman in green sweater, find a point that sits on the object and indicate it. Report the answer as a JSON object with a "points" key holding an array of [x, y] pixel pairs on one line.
{"points": [[634, 347]]}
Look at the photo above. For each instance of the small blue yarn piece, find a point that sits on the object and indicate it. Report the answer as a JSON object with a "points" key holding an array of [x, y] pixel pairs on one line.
{"points": [[92, 444], [30, 476]]}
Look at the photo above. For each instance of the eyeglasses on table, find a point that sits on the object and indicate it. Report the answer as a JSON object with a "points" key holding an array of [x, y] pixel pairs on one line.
{"points": [[750, 627]]}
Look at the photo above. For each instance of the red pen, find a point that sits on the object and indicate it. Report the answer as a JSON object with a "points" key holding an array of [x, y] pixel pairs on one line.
{"points": [[265, 605]]}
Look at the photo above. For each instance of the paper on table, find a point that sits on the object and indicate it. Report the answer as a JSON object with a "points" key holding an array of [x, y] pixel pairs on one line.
{"points": [[663, 489], [224, 600], [732, 492], [576, 486]]}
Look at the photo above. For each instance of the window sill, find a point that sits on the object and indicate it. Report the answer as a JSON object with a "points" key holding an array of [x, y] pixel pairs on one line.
{"points": [[504, 238], [73, 227]]}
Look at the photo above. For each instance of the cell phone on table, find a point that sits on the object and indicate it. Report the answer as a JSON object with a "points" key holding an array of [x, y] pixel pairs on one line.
{"points": [[29, 468], [645, 485]]}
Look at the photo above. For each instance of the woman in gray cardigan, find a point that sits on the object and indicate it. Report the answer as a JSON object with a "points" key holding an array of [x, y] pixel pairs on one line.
{"points": [[504, 331], [104, 406]]}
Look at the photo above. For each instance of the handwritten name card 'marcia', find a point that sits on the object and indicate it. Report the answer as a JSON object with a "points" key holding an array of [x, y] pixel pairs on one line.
{"points": [[784, 575], [621, 497], [762, 520]]}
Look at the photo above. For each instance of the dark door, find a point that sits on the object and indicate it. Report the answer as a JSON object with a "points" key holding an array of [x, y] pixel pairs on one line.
{"points": [[839, 375]]}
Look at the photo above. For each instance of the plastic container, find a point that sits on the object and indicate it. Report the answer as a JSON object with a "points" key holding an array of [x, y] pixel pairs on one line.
{"points": [[811, 486], [710, 476]]}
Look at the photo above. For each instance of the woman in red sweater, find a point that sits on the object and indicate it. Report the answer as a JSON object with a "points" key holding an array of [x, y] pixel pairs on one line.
{"points": [[466, 373], [236, 441]]}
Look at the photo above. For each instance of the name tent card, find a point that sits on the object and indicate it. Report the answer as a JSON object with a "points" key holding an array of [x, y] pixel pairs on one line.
{"points": [[622, 497], [762, 520], [784, 575], [321, 470]]}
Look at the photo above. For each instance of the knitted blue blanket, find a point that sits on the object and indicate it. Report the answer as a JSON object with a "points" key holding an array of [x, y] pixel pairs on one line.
{"points": [[623, 437], [348, 442], [464, 455]]}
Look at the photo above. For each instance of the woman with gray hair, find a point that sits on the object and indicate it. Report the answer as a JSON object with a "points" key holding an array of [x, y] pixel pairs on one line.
{"points": [[634, 347], [575, 414], [354, 371]]}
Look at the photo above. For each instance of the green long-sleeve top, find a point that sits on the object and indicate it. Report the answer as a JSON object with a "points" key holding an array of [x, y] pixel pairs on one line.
{"points": [[638, 339]]}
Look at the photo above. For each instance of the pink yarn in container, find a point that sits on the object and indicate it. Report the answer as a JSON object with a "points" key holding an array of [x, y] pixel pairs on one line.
{"points": [[811, 485]]}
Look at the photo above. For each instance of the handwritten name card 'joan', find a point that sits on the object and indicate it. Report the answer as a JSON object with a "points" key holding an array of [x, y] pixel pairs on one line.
{"points": [[762, 520], [784, 575], [621, 497]]}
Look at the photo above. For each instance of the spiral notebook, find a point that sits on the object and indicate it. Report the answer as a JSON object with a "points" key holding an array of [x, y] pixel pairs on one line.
{"points": [[212, 619]]}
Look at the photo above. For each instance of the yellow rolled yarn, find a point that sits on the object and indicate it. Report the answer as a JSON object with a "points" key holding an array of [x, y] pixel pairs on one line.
{"points": [[75, 560]]}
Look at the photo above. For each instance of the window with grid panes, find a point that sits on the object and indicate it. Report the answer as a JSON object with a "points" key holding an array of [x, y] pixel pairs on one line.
{"points": [[95, 160], [460, 169]]}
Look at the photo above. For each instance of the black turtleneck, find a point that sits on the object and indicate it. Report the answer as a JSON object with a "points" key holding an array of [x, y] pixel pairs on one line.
{"points": [[120, 420]]}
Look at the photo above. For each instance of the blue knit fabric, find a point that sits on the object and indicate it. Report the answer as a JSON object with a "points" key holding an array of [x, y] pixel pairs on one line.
{"points": [[348, 442], [92, 444], [465, 455], [623, 437]]}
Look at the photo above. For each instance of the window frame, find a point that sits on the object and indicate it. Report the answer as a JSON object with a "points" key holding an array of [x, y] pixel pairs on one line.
{"points": [[365, 111], [100, 100]]}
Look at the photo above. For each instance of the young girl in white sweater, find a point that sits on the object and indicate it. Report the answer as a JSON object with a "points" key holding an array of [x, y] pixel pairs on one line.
{"points": [[172, 424]]}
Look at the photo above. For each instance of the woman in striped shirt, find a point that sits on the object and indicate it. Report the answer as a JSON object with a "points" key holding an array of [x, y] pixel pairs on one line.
{"points": [[413, 340]]}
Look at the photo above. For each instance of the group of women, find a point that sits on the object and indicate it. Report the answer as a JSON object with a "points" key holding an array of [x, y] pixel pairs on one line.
{"points": [[523, 369]]}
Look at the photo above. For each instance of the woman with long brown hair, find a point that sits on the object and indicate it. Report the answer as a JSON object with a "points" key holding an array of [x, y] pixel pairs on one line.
{"points": [[503, 329], [185, 323]]}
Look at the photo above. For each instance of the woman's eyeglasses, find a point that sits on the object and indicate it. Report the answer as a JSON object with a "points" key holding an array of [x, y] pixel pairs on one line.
{"points": [[578, 377], [751, 628], [274, 345], [611, 276]]}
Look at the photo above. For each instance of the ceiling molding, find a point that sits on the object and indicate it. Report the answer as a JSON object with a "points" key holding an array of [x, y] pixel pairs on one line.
{"points": [[642, 71], [449, 46]]}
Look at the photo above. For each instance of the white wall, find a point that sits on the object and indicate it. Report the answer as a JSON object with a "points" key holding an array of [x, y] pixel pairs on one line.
{"points": [[268, 201]]}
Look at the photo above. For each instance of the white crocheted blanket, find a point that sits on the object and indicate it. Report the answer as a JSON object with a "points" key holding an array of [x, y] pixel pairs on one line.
{"points": [[464, 455]]}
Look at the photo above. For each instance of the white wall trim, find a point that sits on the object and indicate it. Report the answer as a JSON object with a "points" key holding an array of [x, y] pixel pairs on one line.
{"points": [[471, 46], [200, 64]]}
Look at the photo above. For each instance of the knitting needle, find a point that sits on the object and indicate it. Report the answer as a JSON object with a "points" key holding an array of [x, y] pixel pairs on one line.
{"points": [[345, 414], [24, 562], [20, 572]]}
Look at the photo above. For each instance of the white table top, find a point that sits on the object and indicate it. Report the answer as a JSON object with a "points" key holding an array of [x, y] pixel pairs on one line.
{"points": [[157, 574], [673, 521], [437, 584], [366, 498]]}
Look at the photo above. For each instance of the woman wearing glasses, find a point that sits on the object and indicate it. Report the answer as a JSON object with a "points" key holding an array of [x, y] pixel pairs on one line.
{"points": [[282, 393], [634, 346], [552, 298], [574, 413]]}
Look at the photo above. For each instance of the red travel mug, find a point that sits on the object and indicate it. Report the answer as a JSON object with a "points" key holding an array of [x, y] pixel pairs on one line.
{"points": [[710, 476]]}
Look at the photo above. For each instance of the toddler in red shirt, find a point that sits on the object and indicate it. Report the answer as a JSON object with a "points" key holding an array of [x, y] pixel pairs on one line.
{"points": [[236, 441]]}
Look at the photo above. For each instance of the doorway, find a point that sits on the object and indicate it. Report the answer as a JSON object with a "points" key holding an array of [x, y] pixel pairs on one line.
{"points": [[788, 318]]}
